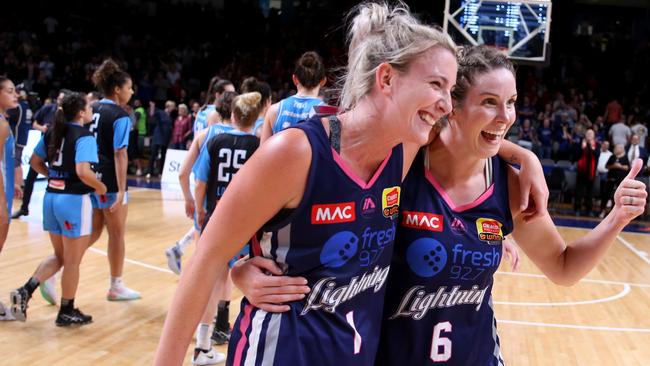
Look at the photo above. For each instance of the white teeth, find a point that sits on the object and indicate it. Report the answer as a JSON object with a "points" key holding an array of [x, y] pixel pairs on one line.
{"points": [[427, 118], [498, 134]]}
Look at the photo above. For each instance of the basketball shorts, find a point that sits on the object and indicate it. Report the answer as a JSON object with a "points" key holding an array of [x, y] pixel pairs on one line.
{"points": [[104, 201], [66, 214]]}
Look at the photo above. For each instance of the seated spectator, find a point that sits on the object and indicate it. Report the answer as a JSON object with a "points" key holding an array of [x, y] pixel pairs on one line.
{"points": [[526, 110], [545, 138], [526, 135], [563, 143]]}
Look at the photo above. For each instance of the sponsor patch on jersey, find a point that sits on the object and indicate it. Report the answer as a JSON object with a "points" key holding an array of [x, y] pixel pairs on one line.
{"points": [[368, 206], [457, 226], [390, 202], [422, 221], [489, 229], [56, 184], [333, 213]]}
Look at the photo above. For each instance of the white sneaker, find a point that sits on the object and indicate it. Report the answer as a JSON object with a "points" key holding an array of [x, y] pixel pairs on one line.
{"points": [[207, 357], [5, 313], [48, 290], [122, 293], [174, 256]]}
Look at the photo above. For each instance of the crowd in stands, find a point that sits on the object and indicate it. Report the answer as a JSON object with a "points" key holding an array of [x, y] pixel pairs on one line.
{"points": [[172, 49]]}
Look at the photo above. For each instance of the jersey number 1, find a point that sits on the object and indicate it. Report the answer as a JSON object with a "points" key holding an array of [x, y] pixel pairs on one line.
{"points": [[441, 346], [357, 337]]}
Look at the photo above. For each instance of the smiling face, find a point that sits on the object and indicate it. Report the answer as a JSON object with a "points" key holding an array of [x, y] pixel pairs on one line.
{"points": [[487, 112], [8, 95], [421, 95]]}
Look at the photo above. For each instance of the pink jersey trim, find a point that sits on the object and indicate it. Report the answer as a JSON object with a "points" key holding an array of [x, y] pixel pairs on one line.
{"points": [[484, 196], [243, 326], [354, 177]]}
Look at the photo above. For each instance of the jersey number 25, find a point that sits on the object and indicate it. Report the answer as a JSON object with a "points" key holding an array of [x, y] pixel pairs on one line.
{"points": [[230, 160]]}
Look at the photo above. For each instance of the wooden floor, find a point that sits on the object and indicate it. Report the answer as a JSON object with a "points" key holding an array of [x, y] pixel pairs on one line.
{"points": [[604, 320]]}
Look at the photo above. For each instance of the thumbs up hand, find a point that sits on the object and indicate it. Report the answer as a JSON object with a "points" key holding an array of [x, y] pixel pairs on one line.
{"points": [[630, 196]]}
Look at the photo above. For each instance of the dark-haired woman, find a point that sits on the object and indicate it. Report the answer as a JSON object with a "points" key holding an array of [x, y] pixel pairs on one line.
{"points": [[8, 100], [111, 125], [215, 91], [65, 155], [308, 77]]}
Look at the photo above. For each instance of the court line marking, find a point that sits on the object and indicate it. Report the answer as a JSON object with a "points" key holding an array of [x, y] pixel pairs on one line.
{"points": [[588, 280], [641, 254], [623, 293], [138, 263], [574, 326], [514, 322]]}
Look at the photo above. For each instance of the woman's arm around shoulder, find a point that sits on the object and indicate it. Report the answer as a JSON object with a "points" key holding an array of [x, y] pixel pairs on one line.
{"points": [[274, 178]]}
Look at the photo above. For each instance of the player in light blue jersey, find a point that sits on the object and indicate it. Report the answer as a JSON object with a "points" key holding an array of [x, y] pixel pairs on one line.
{"points": [[8, 100], [207, 113], [207, 116], [308, 77], [65, 154], [217, 125]]}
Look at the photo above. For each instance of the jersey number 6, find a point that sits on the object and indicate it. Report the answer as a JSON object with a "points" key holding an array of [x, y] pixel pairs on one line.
{"points": [[441, 346]]}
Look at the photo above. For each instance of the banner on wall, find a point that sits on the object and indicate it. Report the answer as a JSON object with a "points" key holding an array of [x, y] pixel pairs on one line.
{"points": [[172, 166]]}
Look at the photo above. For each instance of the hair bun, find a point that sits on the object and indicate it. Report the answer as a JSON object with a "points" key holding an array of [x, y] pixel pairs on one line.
{"points": [[370, 17]]}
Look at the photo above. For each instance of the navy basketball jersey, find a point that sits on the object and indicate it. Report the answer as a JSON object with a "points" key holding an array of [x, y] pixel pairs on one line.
{"points": [[109, 121], [20, 120], [293, 110], [77, 144], [224, 155], [214, 130], [438, 302], [340, 238]]}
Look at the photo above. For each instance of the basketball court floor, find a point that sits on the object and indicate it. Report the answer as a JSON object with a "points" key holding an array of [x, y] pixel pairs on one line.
{"points": [[602, 320]]}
